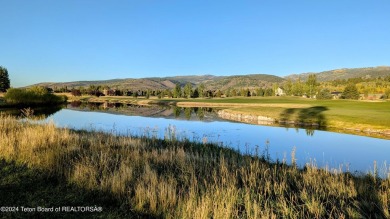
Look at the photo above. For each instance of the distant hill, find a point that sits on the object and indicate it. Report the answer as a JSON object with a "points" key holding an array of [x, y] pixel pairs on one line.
{"points": [[210, 81], [115, 83], [193, 79], [243, 81], [345, 73]]}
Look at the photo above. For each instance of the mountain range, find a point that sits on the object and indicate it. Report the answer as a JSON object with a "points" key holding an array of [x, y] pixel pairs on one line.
{"points": [[223, 82], [345, 73]]}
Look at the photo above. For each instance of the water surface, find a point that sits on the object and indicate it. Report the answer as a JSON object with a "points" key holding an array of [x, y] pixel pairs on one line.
{"points": [[328, 149]]}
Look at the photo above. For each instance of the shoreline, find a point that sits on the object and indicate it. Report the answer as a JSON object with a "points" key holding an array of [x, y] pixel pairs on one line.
{"points": [[264, 120]]}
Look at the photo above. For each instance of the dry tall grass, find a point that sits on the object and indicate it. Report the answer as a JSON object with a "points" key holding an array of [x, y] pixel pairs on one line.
{"points": [[179, 179]]}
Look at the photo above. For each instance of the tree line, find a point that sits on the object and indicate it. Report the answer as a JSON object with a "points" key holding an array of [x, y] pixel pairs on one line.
{"points": [[311, 88], [187, 91]]}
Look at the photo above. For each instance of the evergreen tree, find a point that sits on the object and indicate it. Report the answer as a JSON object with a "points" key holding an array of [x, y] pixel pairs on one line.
{"points": [[188, 90], [177, 91], [196, 93], [4, 79], [324, 94], [201, 90], [350, 92]]}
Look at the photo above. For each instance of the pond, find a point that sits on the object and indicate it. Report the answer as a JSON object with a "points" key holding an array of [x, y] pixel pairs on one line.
{"points": [[326, 149]]}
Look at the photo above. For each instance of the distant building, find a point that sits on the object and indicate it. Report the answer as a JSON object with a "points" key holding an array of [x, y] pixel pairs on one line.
{"points": [[336, 94], [279, 92]]}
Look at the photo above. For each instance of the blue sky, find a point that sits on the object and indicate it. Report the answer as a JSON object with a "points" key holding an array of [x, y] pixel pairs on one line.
{"points": [[45, 40]]}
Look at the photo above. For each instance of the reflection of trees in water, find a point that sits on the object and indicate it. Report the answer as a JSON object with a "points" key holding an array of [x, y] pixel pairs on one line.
{"points": [[198, 112], [76, 103], [188, 112], [176, 111], [101, 106], [309, 132], [38, 112], [152, 110], [47, 111], [105, 106]]}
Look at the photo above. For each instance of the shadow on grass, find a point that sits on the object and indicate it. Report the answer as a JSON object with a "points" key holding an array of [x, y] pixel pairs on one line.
{"points": [[22, 186], [310, 118], [306, 116]]}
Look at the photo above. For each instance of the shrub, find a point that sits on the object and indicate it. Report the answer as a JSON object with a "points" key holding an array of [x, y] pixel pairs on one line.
{"points": [[76, 92], [324, 94], [32, 96], [387, 94]]}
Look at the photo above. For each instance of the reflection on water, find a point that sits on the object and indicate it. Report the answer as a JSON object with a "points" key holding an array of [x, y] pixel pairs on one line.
{"points": [[349, 152], [39, 112], [326, 149], [187, 113]]}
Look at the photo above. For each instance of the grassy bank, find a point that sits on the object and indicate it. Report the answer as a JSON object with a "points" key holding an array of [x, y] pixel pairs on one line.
{"points": [[177, 179]]}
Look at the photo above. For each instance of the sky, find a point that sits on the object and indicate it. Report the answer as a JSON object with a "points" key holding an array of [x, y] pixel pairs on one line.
{"points": [[73, 40]]}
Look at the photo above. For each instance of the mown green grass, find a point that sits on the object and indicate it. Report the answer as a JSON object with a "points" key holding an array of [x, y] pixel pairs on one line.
{"points": [[352, 115], [339, 114], [42, 164]]}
